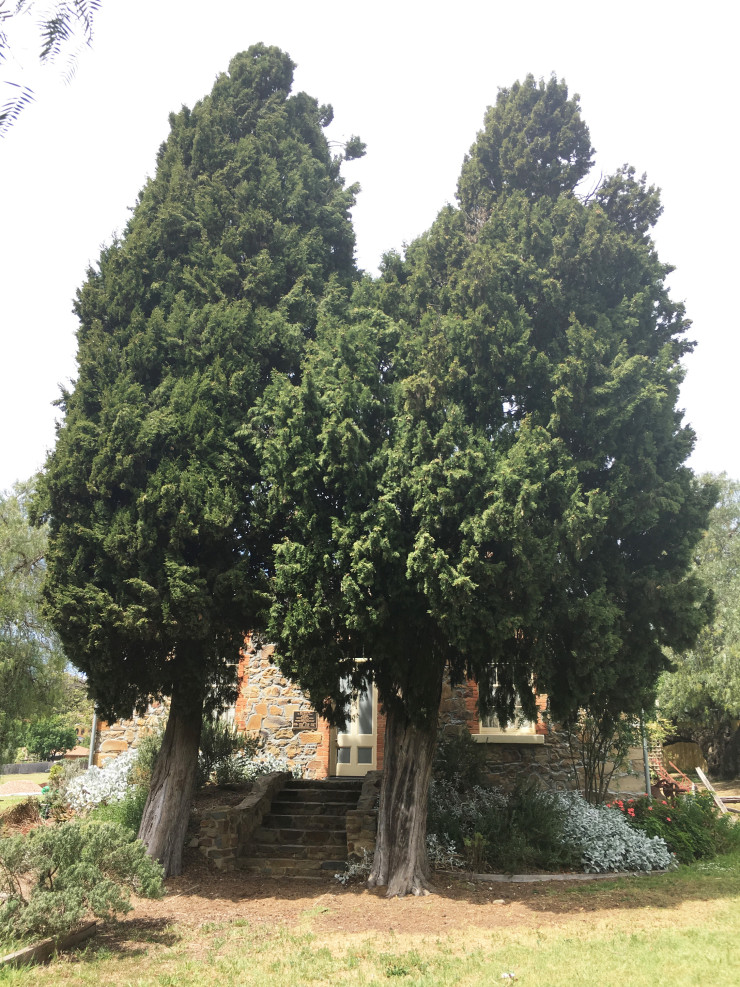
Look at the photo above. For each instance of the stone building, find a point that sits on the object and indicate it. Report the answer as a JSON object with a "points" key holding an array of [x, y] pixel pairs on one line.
{"points": [[273, 707]]}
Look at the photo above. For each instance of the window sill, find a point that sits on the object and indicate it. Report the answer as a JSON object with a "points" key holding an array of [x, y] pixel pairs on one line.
{"points": [[508, 738]]}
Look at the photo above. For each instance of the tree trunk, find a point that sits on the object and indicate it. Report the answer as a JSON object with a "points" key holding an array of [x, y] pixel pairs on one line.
{"points": [[167, 808], [400, 861]]}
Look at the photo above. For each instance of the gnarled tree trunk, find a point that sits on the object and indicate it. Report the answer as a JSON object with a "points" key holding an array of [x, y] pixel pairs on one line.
{"points": [[167, 808], [400, 861]]}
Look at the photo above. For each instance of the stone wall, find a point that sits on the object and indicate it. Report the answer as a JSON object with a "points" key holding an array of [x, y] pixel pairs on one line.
{"points": [[267, 705], [362, 821], [226, 831], [543, 754], [112, 739]]}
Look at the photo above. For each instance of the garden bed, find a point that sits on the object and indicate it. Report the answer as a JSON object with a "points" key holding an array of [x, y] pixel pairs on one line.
{"points": [[41, 951]]}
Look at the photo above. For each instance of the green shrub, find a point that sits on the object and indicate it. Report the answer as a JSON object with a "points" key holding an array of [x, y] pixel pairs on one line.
{"points": [[61, 773], [503, 833], [127, 813], [75, 870], [691, 825], [459, 761], [222, 745], [147, 753]]}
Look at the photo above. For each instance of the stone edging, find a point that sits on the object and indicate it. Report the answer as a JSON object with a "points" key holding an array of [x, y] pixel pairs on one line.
{"points": [[537, 878], [41, 951]]}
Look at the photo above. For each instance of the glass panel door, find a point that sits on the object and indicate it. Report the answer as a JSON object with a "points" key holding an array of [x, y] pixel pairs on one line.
{"points": [[357, 746]]}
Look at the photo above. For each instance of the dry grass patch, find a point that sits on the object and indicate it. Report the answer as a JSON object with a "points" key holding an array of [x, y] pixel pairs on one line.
{"points": [[235, 930]]}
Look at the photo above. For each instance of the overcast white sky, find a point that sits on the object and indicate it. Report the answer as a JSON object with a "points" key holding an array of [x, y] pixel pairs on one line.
{"points": [[658, 89]]}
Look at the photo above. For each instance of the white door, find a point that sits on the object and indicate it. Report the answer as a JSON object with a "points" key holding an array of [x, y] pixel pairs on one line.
{"points": [[357, 748]]}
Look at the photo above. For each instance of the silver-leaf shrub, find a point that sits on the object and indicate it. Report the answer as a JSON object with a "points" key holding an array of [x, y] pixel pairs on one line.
{"points": [[606, 840], [102, 785]]}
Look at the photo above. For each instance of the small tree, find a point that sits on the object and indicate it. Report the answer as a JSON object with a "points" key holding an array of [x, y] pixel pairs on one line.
{"points": [[599, 742], [48, 737], [31, 657]]}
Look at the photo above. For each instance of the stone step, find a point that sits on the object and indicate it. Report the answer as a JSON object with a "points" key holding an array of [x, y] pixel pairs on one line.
{"points": [[269, 835], [338, 810], [305, 820], [296, 851], [333, 795], [284, 867], [325, 783]]}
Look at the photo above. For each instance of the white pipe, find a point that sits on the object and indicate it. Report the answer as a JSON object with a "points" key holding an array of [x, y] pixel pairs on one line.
{"points": [[93, 734]]}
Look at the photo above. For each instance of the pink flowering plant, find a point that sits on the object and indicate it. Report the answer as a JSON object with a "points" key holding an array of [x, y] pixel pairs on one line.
{"points": [[691, 825]]}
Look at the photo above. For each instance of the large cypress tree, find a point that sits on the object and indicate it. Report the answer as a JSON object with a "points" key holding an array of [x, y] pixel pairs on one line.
{"points": [[482, 468], [156, 558]]}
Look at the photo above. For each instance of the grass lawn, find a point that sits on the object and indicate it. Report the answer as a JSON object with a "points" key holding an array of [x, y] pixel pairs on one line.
{"points": [[40, 777], [681, 928]]}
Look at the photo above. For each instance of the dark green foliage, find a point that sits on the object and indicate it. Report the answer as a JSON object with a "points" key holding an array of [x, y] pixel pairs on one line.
{"points": [[76, 870], [488, 475], [481, 470], [49, 737], [459, 761], [533, 141], [691, 825], [498, 833], [155, 557]]}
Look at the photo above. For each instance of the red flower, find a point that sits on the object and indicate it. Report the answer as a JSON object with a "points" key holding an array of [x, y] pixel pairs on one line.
{"points": [[667, 818], [631, 811]]}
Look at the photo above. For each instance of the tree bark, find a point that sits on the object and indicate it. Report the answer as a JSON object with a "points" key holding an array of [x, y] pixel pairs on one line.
{"points": [[167, 809], [400, 862]]}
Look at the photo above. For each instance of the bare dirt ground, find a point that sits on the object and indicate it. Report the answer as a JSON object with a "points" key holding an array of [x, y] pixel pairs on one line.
{"points": [[202, 896]]}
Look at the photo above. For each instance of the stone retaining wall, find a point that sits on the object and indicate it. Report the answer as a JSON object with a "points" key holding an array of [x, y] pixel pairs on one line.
{"points": [[362, 822], [225, 831]]}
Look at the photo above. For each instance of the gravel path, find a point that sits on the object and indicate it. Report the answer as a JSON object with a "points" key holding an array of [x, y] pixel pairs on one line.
{"points": [[20, 788]]}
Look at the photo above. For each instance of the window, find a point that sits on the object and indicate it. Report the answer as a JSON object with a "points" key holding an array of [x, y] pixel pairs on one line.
{"points": [[519, 730]]}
